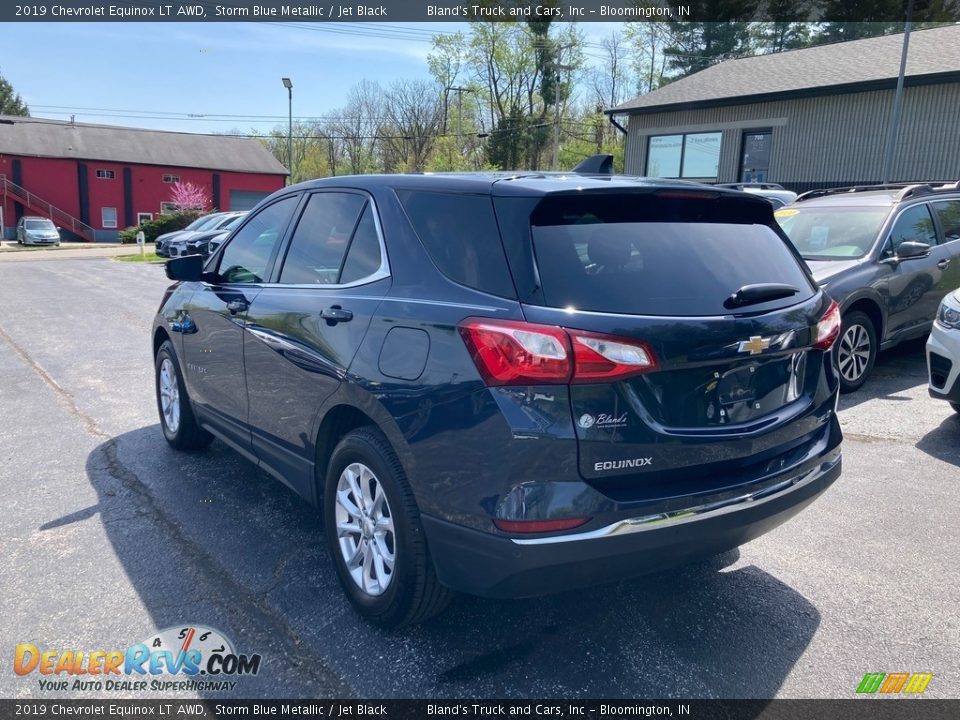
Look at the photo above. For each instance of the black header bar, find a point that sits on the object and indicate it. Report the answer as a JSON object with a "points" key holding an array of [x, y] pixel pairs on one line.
{"points": [[865, 708], [885, 11]]}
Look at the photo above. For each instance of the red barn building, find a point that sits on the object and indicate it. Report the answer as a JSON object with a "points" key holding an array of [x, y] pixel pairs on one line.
{"points": [[94, 180]]}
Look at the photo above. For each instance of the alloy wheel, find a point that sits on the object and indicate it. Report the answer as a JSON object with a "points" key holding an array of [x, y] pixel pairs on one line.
{"points": [[365, 529], [853, 353], [169, 396]]}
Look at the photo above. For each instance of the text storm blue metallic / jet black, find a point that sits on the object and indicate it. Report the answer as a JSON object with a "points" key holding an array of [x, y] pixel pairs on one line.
{"points": [[509, 384]]}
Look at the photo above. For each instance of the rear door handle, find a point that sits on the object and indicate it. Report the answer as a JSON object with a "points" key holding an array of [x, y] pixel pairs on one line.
{"points": [[335, 314], [943, 263], [237, 306]]}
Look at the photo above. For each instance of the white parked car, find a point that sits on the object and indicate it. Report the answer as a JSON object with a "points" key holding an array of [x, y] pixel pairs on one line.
{"points": [[943, 352]]}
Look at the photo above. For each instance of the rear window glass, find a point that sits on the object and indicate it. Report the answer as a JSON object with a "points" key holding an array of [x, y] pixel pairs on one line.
{"points": [[618, 259], [460, 233]]}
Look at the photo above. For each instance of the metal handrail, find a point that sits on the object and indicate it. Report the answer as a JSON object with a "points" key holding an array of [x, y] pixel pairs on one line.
{"points": [[78, 227]]}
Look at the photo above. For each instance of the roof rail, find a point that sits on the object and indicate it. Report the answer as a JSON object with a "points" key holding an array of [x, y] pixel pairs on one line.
{"points": [[907, 190], [758, 185], [913, 191]]}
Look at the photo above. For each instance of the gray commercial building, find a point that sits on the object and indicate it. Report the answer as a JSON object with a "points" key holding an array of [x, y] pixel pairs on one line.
{"points": [[810, 118]]}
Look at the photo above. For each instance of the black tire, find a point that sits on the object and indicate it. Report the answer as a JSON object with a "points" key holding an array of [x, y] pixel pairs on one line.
{"points": [[187, 433], [413, 593], [853, 371]]}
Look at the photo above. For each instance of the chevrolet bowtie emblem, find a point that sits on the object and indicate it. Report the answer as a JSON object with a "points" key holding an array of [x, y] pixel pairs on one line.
{"points": [[755, 345]]}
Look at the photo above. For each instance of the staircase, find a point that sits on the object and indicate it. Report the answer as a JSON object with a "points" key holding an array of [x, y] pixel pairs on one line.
{"points": [[59, 217]]}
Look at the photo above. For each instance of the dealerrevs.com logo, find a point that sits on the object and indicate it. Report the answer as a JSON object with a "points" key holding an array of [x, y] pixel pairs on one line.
{"points": [[187, 657]]}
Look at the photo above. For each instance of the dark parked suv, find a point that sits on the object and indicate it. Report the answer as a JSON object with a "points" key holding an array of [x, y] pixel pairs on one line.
{"points": [[887, 254], [509, 384]]}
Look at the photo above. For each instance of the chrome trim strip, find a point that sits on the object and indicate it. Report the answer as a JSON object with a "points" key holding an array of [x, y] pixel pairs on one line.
{"points": [[687, 515]]}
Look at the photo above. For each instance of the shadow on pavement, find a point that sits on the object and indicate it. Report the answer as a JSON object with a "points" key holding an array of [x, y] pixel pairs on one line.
{"points": [[208, 538], [897, 369], [943, 442]]}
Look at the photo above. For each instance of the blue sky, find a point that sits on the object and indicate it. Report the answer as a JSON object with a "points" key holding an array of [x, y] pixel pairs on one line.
{"points": [[203, 68]]}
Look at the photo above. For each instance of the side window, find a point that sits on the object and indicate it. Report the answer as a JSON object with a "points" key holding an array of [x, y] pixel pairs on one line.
{"points": [[461, 235], [915, 225], [321, 238], [246, 257], [948, 213], [363, 258]]}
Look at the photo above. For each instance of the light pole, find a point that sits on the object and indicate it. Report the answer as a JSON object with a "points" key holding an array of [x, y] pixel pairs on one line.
{"points": [[289, 86]]}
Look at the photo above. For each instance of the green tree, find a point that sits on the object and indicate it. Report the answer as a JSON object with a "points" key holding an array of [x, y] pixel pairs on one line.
{"points": [[695, 46], [10, 101], [788, 31]]}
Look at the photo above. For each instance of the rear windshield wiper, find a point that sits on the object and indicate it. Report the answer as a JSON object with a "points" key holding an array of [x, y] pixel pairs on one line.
{"points": [[758, 293]]}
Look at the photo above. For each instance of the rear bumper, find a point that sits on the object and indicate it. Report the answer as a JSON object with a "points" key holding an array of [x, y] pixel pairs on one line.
{"points": [[490, 565]]}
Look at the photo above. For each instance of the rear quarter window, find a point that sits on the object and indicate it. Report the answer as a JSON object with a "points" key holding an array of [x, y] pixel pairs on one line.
{"points": [[461, 235], [634, 258]]}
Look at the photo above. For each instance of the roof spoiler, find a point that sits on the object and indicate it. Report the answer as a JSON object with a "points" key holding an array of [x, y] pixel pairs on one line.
{"points": [[595, 165]]}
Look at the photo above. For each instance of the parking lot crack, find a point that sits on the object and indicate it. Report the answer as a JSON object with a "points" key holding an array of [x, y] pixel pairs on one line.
{"points": [[64, 397]]}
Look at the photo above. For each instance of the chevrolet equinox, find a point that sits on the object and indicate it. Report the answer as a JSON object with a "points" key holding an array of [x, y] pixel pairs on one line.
{"points": [[509, 384]]}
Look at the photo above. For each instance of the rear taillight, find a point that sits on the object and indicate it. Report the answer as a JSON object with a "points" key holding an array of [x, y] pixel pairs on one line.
{"points": [[828, 328], [518, 353], [509, 352], [599, 358]]}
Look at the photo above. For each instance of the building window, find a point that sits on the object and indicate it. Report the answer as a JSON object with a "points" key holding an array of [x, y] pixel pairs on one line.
{"points": [[106, 174], [171, 178], [693, 155], [168, 208], [144, 218], [755, 160], [108, 217]]}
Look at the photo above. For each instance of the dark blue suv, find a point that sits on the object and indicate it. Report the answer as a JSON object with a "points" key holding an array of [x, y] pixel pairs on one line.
{"points": [[509, 384]]}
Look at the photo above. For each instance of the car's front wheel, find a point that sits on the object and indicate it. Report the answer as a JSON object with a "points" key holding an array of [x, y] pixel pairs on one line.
{"points": [[177, 420], [855, 350], [374, 533]]}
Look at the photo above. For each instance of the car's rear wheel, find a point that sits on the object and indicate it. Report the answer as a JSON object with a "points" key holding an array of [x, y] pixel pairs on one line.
{"points": [[374, 533], [177, 420], [855, 350]]}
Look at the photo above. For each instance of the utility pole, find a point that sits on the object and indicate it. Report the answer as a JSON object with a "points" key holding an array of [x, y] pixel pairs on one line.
{"points": [[460, 91], [897, 101], [558, 67]]}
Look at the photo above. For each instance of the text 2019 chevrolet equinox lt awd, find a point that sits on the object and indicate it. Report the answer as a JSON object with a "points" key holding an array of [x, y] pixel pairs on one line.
{"points": [[509, 384]]}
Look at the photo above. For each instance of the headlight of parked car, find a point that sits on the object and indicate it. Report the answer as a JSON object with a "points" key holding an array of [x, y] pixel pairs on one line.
{"points": [[949, 315]]}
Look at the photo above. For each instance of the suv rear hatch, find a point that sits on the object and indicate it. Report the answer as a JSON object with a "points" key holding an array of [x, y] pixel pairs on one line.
{"points": [[704, 285]]}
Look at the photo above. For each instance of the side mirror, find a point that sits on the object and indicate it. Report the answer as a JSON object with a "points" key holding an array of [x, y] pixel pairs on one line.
{"points": [[912, 249], [188, 268]]}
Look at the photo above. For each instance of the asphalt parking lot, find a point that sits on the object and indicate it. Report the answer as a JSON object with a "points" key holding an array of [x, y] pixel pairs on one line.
{"points": [[109, 535]]}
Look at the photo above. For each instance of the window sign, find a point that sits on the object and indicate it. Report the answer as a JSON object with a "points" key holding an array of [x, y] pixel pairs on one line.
{"points": [[663, 158], [701, 155], [695, 155]]}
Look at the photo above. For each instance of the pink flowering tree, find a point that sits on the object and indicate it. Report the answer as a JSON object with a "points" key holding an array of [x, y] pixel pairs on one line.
{"points": [[187, 196]]}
